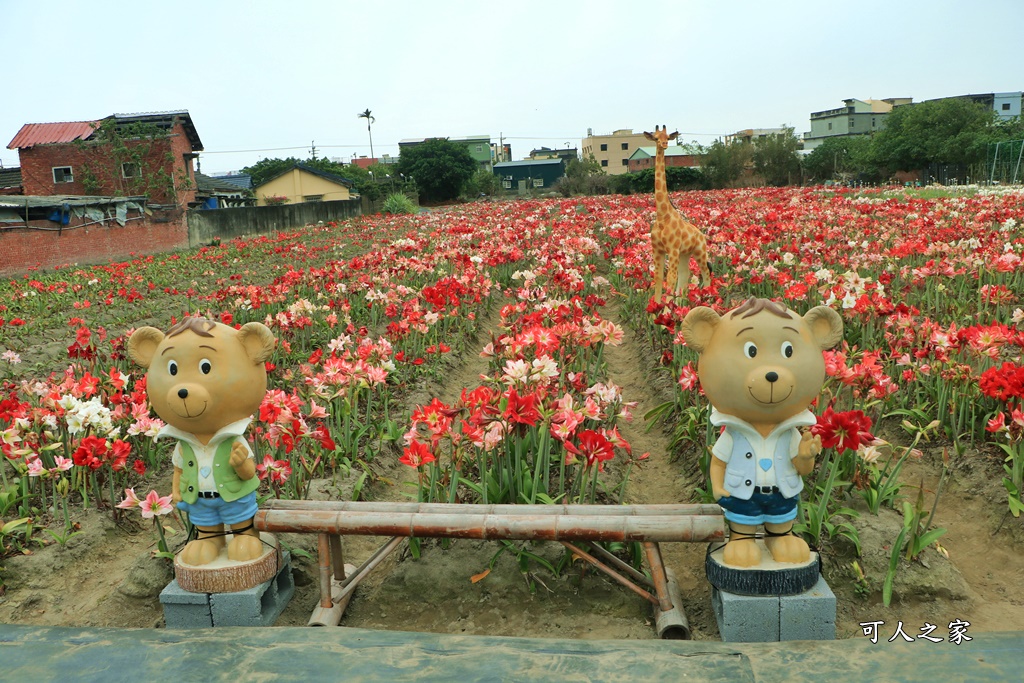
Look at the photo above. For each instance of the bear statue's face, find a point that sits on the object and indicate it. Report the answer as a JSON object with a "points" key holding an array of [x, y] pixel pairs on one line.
{"points": [[206, 376], [763, 366]]}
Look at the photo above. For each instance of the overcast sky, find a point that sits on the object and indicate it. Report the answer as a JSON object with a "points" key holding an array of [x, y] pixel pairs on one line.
{"points": [[266, 79]]}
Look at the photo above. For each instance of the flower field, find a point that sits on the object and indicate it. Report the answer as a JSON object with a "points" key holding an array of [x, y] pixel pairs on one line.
{"points": [[374, 316]]}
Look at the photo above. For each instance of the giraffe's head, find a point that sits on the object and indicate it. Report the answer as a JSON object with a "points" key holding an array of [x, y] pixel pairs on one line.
{"points": [[661, 137]]}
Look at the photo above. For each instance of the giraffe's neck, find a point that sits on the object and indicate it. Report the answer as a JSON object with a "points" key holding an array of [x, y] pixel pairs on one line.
{"points": [[660, 184]]}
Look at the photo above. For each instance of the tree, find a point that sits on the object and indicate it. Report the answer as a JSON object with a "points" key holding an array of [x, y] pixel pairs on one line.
{"points": [[368, 115], [723, 163], [439, 167], [265, 169], [840, 157], [949, 131], [775, 158]]}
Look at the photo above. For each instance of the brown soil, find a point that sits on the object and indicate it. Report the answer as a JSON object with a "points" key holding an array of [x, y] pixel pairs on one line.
{"points": [[105, 576]]}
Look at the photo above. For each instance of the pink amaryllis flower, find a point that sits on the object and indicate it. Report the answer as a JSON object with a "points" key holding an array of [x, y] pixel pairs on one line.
{"points": [[130, 500], [155, 504], [277, 470]]}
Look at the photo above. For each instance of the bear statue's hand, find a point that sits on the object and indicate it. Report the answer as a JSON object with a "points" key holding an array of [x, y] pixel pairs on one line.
{"points": [[238, 455], [810, 446]]}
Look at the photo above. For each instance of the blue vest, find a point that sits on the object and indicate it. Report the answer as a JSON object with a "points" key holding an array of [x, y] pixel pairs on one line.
{"points": [[741, 470]]}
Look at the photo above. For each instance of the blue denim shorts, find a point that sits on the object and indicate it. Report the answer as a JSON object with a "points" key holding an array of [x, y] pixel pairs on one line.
{"points": [[217, 511], [773, 508]]}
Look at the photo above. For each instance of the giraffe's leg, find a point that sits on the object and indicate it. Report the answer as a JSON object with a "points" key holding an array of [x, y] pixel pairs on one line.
{"points": [[701, 255], [672, 272], [659, 267], [683, 275]]}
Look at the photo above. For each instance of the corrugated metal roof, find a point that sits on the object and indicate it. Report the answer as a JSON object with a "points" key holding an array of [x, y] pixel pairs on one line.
{"points": [[528, 162], [32, 134], [10, 177]]}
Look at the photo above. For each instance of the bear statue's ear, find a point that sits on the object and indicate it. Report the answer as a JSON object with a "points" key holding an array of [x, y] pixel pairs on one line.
{"points": [[698, 327], [258, 341], [826, 326], [142, 345]]}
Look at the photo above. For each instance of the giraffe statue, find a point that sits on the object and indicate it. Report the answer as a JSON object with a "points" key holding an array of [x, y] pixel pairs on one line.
{"points": [[672, 236]]}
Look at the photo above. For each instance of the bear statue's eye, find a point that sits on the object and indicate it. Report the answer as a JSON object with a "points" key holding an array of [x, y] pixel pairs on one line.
{"points": [[787, 349], [205, 366], [172, 367], [749, 350]]}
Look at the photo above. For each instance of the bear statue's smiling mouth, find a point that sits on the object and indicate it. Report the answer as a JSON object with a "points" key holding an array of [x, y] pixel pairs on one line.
{"points": [[188, 414], [771, 396]]}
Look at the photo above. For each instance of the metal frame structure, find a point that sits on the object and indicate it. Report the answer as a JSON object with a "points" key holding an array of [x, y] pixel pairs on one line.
{"points": [[569, 525]]}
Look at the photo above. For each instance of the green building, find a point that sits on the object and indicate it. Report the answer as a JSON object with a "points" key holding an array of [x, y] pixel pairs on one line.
{"points": [[536, 174]]}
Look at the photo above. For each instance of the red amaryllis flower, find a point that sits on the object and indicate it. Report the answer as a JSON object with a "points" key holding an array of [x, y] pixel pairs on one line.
{"points": [[90, 452], [1003, 383], [522, 409], [417, 454], [843, 431], [118, 455], [322, 435], [593, 448], [140, 467]]}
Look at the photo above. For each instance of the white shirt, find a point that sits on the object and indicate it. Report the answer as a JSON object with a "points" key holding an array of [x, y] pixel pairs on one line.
{"points": [[764, 447]]}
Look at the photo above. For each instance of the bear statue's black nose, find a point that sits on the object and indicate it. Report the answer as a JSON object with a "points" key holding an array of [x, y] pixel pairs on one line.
{"points": [[183, 393], [770, 376]]}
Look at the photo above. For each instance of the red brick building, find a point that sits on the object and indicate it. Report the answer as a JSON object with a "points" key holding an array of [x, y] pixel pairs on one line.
{"points": [[643, 158], [128, 155]]}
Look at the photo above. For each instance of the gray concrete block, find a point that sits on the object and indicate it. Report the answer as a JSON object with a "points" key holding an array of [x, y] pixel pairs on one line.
{"points": [[746, 618], [258, 606], [184, 609], [810, 615]]}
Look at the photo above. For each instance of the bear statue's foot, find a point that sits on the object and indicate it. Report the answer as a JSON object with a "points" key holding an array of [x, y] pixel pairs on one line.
{"points": [[244, 548], [788, 548], [742, 553], [202, 551]]}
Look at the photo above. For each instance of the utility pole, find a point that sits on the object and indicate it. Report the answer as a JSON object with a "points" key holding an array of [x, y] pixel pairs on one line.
{"points": [[313, 149]]}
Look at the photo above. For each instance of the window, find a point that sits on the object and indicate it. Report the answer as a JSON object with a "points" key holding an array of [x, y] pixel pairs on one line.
{"points": [[538, 182], [604, 147], [625, 145], [507, 184], [830, 125], [130, 169], [312, 197], [872, 122], [852, 122], [625, 162], [63, 174], [604, 162], [1006, 106], [479, 148]]}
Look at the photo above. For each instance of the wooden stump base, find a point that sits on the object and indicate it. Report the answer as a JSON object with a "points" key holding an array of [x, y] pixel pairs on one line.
{"points": [[768, 578], [230, 576]]}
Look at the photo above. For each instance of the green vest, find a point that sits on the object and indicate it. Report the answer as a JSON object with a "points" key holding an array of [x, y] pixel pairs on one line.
{"points": [[229, 485]]}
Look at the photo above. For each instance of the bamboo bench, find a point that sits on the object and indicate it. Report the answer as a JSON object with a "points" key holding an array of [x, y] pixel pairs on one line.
{"points": [[565, 524]]}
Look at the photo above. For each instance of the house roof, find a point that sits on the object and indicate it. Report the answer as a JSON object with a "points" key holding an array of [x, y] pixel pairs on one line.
{"points": [[528, 162], [312, 171], [10, 177], [32, 134], [242, 180], [651, 152], [210, 185]]}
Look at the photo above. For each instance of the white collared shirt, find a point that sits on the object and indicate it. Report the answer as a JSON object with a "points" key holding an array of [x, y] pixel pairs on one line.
{"points": [[764, 447]]}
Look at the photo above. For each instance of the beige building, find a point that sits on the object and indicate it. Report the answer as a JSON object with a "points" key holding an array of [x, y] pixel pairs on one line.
{"points": [[613, 151], [303, 183]]}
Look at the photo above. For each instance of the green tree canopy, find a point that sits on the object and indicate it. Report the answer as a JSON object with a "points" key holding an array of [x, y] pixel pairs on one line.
{"points": [[723, 163], [950, 131], [841, 156], [439, 167], [775, 158]]}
